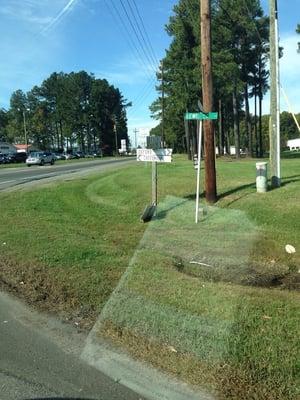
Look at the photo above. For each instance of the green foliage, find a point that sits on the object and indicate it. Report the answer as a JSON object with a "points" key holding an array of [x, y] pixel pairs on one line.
{"points": [[3, 124], [73, 110], [239, 53]]}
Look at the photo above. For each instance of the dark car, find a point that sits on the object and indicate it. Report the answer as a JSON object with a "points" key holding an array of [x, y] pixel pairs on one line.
{"points": [[3, 159], [17, 157]]}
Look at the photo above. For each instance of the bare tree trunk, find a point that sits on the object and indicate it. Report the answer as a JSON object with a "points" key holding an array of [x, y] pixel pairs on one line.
{"points": [[248, 122], [260, 96], [255, 122], [221, 130], [261, 150], [194, 144], [236, 126], [187, 138], [57, 134], [60, 137]]}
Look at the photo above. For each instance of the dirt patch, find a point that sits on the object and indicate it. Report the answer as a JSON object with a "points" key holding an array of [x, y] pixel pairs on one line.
{"points": [[264, 274], [47, 290]]}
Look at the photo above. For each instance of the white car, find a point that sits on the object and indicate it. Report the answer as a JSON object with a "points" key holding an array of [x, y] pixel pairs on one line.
{"points": [[40, 158]]}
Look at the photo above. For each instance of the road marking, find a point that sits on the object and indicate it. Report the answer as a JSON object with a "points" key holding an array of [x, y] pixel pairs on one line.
{"points": [[33, 177], [2, 183]]}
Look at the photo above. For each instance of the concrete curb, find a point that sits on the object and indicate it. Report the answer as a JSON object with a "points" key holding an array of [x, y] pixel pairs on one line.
{"points": [[136, 375]]}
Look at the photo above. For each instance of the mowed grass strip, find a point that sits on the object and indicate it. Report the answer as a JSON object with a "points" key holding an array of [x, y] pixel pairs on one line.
{"points": [[243, 340], [65, 247]]}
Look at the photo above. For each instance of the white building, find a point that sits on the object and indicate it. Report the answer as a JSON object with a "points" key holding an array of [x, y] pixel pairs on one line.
{"points": [[231, 150], [7, 148], [294, 144]]}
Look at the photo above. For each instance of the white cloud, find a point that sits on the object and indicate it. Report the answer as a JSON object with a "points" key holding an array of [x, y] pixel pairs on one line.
{"points": [[25, 54], [62, 13], [34, 14]]}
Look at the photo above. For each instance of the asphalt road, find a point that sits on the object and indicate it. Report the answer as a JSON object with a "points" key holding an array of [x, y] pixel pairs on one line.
{"points": [[39, 358], [10, 177]]}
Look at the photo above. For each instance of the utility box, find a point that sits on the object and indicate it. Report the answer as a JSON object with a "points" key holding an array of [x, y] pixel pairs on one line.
{"points": [[261, 177]]}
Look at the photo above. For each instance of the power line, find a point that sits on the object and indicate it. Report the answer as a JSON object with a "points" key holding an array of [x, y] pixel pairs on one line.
{"points": [[145, 87], [145, 31], [119, 21], [137, 36], [142, 98]]}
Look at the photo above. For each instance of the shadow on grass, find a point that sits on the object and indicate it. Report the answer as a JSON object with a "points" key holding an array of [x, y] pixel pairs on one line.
{"points": [[285, 181], [163, 213]]}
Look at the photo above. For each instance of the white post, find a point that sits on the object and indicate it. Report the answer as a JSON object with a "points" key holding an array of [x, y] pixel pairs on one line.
{"points": [[198, 170]]}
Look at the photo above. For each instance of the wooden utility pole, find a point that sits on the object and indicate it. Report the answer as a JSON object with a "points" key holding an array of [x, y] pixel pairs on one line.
{"points": [[274, 100], [207, 92]]}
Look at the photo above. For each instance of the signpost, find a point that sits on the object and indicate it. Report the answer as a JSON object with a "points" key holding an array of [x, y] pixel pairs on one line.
{"points": [[199, 117], [153, 153]]}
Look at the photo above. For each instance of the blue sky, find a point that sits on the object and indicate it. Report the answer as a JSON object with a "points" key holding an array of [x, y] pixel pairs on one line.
{"points": [[42, 36]]}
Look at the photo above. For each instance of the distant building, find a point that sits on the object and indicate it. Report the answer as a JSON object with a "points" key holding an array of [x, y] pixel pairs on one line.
{"points": [[293, 144], [7, 148], [25, 148], [231, 150]]}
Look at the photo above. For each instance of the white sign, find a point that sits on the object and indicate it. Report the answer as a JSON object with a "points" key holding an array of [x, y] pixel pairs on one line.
{"points": [[159, 155], [123, 144]]}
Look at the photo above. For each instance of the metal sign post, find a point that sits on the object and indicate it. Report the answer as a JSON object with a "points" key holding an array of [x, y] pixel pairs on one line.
{"points": [[154, 184], [200, 116], [198, 170], [153, 153]]}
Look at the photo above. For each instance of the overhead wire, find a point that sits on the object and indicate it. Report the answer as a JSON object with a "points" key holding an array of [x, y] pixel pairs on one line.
{"points": [[139, 42], [142, 97], [120, 23], [143, 28], [136, 34]]}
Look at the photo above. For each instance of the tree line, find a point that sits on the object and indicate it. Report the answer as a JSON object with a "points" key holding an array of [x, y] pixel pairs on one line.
{"points": [[67, 110], [240, 51]]}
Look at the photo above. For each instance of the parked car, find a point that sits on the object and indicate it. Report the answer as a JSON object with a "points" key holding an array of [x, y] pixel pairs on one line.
{"points": [[40, 158], [69, 156], [59, 156], [17, 157], [79, 154], [3, 159], [97, 154]]}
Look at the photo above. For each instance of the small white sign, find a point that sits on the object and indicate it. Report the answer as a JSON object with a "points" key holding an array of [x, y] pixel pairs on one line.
{"points": [[159, 155], [123, 144]]}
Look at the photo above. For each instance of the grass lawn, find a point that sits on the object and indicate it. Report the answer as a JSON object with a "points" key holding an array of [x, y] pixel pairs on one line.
{"points": [[216, 304]]}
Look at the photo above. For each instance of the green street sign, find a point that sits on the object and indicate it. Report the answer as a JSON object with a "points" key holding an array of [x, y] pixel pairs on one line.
{"points": [[200, 115]]}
